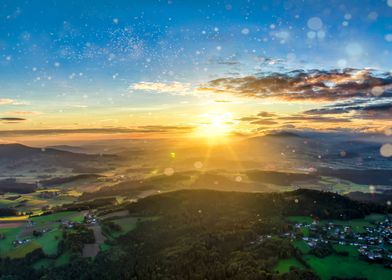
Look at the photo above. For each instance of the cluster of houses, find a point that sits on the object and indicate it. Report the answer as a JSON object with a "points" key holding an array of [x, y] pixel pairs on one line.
{"points": [[89, 219], [374, 243]]}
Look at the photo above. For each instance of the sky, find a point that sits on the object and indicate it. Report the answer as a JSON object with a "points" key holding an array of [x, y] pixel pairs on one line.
{"points": [[161, 68]]}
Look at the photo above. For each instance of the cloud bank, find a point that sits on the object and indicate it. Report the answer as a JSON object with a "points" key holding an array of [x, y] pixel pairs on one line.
{"points": [[301, 85]]}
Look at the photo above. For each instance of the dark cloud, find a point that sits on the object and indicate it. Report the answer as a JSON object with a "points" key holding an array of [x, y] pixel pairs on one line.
{"points": [[264, 122], [248, 119], [12, 120], [358, 109], [266, 114], [316, 85], [304, 118]]}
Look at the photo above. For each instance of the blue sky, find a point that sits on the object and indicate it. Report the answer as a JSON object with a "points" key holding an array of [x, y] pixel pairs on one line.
{"points": [[87, 54]]}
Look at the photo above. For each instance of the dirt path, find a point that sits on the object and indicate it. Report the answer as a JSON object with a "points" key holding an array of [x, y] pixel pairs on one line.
{"points": [[91, 250]]}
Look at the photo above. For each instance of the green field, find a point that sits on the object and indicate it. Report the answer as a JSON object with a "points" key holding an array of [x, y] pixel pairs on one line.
{"points": [[129, 223], [302, 246], [347, 267], [6, 244], [283, 266], [56, 217], [48, 241], [352, 250]]}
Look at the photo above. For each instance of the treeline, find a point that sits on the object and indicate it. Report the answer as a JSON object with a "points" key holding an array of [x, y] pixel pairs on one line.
{"points": [[7, 212], [75, 238], [11, 185]]}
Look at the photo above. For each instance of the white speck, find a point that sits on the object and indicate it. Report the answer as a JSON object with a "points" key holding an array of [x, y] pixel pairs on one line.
{"points": [[347, 16], [389, 3], [315, 23], [115, 20], [377, 91], [388, 37], [311, 34], [238, 178], [219, 48], [168, 171], [198, 164], [245, 31], [56, 64], [388, 131], [321, 34]]}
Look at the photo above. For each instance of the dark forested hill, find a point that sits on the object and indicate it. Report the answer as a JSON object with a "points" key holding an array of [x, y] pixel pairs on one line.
{"points": [[204, 234]]}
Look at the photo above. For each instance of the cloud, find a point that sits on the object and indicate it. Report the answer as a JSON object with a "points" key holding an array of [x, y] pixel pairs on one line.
{"points": [[34, 132], [8, 101], [364, 109], [176, 88], [12, 120], [258, 117], [304, 118], [312, 85], [264, 122], [248, 119], [23, 113], [166, 127], [109, 130], [266, 114]]}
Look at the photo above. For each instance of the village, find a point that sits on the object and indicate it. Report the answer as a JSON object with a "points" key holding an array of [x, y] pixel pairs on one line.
{"points": [[373, 243], [33, 230]]}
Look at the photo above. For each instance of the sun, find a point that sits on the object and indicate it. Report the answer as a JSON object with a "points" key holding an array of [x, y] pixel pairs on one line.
{"points": [[214, 126]]}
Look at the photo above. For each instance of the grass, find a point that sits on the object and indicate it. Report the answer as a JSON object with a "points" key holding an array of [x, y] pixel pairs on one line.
{"points": [[302, 246], [129, 223], [6, 244], [357, 225], [21, 251], [49, 241], [53, 217], [104, 247], [347, 267], [284, 265], [352, 250], [63, 259]]}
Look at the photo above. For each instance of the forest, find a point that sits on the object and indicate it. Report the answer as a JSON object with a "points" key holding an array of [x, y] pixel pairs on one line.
{"points": [[201, 234]]}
